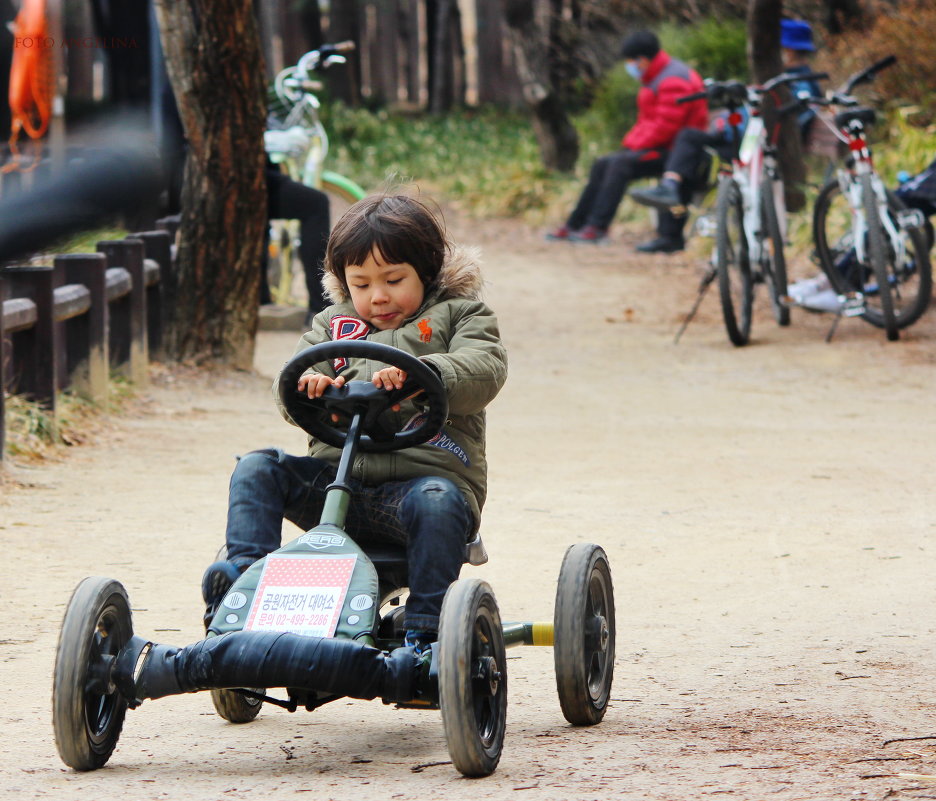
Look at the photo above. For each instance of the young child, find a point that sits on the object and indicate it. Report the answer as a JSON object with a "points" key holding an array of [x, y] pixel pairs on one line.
{"points": [[394, 279]]}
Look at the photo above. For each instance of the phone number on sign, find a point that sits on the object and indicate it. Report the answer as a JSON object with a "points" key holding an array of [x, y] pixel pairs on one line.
{"points": [[296, 620]]}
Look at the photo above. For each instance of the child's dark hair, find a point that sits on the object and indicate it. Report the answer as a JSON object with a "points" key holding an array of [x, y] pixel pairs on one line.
{"points": [[400, 228]]}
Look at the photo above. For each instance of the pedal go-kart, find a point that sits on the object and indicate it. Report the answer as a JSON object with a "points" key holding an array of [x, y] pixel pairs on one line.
{"points": [[322, 618]]}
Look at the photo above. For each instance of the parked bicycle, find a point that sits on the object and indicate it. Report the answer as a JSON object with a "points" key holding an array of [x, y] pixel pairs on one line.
{"points": [[750, 213], [870, 246], [297, 141]]}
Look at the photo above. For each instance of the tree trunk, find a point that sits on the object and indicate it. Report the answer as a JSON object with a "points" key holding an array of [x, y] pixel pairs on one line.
{"points": [[844, 15], [214, 62], [345, 83], [763, 26], [557, 137]]}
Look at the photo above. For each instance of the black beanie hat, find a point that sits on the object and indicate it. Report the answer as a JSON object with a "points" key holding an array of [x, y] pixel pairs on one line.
{"points": [[641, 43]]}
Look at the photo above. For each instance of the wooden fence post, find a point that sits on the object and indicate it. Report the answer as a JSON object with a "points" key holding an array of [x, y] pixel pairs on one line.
{"points": [[34, 362], [86, 351], [157, 245], [128, 253]]}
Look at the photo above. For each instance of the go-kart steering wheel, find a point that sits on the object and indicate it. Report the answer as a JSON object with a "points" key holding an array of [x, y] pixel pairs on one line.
{"points": [[313, 415]]}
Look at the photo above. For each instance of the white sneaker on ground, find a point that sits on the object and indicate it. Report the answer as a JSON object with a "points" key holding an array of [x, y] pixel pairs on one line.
{"points": [[800, 290], [826, 300]]}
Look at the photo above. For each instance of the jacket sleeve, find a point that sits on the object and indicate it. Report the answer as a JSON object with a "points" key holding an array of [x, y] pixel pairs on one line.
{"points": [[317, 334], [658, 127], [475, 366]]}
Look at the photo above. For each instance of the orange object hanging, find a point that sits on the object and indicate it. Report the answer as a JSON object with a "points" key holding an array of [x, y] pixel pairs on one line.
{"points": [[31, 76]]}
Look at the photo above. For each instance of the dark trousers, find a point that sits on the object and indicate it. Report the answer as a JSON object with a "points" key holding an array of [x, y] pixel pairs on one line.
{"points": [[291, 200], [688, 151], [429, 516], [607, 184]]}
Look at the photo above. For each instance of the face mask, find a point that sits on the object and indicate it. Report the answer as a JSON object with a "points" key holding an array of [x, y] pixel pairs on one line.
{"points": [[633, 70]]}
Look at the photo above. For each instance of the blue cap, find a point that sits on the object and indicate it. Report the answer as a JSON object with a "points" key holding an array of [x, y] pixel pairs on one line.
{"points": [[796, 35]]}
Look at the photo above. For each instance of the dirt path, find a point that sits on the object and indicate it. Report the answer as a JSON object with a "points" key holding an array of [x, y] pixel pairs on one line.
{"points": [[767, 513]]}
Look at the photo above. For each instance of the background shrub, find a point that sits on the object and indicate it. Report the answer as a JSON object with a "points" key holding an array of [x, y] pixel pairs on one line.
{"points": [[905, 30]]}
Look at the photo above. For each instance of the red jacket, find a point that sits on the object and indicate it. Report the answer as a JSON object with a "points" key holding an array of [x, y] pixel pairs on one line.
{"points": [[659, 117]]}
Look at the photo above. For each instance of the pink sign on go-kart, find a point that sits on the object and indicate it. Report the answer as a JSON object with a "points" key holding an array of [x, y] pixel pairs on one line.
{"points": [[301, 595]]}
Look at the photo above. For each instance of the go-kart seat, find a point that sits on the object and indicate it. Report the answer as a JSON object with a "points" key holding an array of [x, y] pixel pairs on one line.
{"points": [[390, 560]]}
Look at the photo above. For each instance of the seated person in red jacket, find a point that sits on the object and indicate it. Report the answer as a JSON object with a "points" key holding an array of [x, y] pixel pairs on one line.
{"points": [[687, 153], [643, 151]]}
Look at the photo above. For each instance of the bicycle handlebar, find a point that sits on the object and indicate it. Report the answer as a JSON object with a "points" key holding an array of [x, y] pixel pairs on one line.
{"points": [[868, 74], [690, 98], [719, 91], [346, 46], [791, 77], [735, 93]]}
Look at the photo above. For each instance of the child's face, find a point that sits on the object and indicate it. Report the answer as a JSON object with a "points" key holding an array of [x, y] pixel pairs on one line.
{"points": [[384, 294]]}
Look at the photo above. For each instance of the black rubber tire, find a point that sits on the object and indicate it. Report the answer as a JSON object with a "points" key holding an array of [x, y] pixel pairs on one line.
{"points": [[774, 259], [230, 704], [877, 255], [235, 707], [584, 634], [912, 287], [472, 677], [86, 722], [732, 263]]}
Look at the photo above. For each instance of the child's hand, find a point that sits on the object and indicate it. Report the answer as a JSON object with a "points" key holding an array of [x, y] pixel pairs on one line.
{"points": [[314, 384], [392, 378], [389, 378]]}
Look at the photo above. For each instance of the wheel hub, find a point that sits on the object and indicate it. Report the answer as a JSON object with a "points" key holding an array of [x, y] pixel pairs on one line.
{"points": [[487, 674], [598, 634]]}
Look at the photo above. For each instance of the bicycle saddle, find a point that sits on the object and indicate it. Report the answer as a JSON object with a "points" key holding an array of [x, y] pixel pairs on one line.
{"points": [[866, 116]]}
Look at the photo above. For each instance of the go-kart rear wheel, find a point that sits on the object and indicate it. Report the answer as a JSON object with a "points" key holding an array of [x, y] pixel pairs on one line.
{"points": [[472, 677], [236, 707], [584, 634], [87, 710]]}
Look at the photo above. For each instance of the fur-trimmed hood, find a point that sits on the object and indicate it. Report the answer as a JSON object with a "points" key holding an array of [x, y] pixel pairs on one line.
{"points": [[460, 277]]}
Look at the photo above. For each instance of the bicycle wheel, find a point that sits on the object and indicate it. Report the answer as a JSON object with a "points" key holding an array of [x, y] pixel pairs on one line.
{"points": [[773, 262], [877, 255], [909, 269], [732, 263]]}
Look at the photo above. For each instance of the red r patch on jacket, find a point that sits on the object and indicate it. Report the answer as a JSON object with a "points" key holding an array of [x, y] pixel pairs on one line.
{"points": [[347, 328], [425, 330]]}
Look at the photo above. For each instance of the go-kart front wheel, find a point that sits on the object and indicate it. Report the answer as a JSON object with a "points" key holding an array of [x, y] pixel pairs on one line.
{"points": [[87, 710], [584, 634], [234, 706], [472, 677]]}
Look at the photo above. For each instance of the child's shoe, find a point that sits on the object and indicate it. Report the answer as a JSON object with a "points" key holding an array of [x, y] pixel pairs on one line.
{"points": [[420, 641], [218, 578]]}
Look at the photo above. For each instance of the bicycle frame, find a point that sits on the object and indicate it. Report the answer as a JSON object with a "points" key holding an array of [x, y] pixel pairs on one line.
{"points": [[849, 180], [756, 159]]}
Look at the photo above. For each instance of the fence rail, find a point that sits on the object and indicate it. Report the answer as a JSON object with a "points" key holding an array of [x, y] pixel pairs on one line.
{"points": [[70, 323]]}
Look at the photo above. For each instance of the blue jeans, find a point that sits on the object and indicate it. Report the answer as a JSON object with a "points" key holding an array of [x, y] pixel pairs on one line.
{"points": [[429, 516]]}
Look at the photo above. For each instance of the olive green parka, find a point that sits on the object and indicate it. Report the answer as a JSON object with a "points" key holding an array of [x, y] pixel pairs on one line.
{"points": [[455, 333]]}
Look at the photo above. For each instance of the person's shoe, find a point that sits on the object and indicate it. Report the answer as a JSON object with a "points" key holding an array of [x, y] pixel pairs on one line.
{"points": [[805, 288], [662, 244], [560, 234], [218, 578], [590, 234], [662, 196], [420, 641], [827, 300]]}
